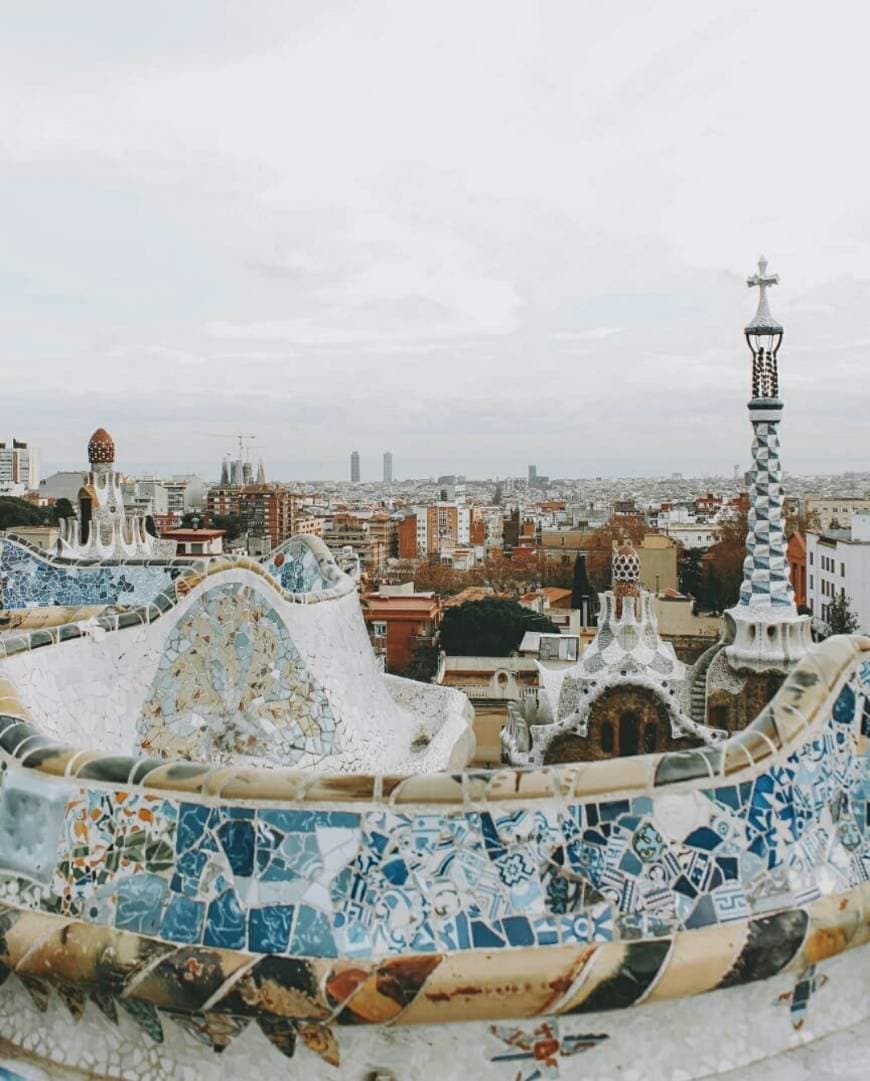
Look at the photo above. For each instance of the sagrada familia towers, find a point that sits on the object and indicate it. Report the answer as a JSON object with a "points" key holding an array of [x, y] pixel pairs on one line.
{"points": [[628, 693]]}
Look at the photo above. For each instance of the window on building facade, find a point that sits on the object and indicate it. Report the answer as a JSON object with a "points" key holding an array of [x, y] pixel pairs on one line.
{"points": [[379, 628], [650, 734], [607, 737], [629, 727]]}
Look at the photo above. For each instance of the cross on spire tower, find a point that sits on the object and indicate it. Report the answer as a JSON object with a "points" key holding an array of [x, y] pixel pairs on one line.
{"points": [[768, 632], [764, 336]]}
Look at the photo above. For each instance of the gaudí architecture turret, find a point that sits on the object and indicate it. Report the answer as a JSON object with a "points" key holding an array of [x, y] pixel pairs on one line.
{"points": [[625, 694], [765, 635], [768, 633], [104, 529]]}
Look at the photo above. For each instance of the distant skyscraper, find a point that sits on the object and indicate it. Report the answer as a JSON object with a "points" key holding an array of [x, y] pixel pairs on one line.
{"points": [[533, 475], [388, 467], [354, 467], [225, 471], [19, 467], [261, 473]]}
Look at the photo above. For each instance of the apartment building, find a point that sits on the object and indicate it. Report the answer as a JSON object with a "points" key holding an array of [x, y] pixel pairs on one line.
{"points": [[838, 565], [19, 468]]}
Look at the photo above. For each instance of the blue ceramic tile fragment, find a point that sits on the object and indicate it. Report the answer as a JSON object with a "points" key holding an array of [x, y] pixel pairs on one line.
{"points": [[140, 898], [182, 920], [312, 935], [192, 819], [225, 923], [269, 928], [237, 838]]}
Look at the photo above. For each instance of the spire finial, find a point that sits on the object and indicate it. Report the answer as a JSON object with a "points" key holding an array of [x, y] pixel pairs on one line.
{"points": [[763, 320]]}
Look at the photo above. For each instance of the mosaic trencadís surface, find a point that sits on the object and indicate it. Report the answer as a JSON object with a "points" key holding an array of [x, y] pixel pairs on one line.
{"points": [[224, 664], [30, 578], [299, 900], [230, 683], [342, 882]]}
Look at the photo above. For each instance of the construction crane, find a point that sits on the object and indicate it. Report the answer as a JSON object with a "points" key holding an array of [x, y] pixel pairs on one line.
{"points": [[235, 435]]}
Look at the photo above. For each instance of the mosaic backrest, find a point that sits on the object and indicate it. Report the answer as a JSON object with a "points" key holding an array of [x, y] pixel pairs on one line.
{"points": [[366, 866], [225, 665], [217, 896], [29, 578], [303, 565]]}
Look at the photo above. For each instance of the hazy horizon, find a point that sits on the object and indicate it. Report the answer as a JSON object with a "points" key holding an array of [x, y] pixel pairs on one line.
{"points": [[476, 235]]}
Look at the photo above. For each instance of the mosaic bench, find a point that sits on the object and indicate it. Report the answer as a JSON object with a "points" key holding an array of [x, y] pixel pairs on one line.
{"points": [[154, 911], [228, 660]]}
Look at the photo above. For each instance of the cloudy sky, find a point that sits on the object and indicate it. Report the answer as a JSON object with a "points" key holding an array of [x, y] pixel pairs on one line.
{"points": [[479, 234]]}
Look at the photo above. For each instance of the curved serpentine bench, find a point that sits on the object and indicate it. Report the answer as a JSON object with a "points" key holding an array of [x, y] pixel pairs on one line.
{"points": [[171, 904], [232, 661]]}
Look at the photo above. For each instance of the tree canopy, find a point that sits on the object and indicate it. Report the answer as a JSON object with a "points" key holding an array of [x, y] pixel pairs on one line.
{"points": [[580, 587], [690, 570], [841, 619], [231, 523], [423, 664], [18, 512], [492, 627], [723, 566]]}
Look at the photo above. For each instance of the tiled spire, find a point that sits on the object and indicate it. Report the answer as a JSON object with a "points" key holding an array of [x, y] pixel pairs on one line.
{"points": [[766, 582]]}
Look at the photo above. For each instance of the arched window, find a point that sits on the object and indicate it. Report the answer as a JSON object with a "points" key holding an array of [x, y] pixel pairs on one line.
{"points": [[607, 737], [629, 733], [650, 737]]}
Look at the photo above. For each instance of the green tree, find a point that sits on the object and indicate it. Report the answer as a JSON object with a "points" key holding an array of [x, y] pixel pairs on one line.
{"points": [[492, 627], [18, 512], [841, 619], [63, 509], [423, 664], [231, 523], [723, 562], [689, 570], [580, 586]]}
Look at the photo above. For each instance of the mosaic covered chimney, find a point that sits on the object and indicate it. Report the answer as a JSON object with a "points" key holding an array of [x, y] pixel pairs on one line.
{"points": [[626, 573], [768, 633]]}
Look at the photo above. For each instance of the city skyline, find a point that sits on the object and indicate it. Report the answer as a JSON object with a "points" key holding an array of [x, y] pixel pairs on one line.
{"points": [[181, 237]]}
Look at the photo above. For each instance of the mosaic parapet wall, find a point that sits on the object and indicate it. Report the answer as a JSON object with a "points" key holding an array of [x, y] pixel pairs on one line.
{"points": [[218, 897], [303, 565], [224, 665], [31, 578]]}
